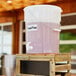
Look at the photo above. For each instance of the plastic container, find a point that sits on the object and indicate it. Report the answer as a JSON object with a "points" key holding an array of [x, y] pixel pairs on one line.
{"points": [[9, 65], [42, 28]]}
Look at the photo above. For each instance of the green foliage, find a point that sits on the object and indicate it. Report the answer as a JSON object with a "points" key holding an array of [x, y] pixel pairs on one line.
{"points": [[67, 36], [68, 47]]}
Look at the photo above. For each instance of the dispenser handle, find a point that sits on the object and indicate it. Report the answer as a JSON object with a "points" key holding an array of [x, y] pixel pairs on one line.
{"points": [[57, 29]]}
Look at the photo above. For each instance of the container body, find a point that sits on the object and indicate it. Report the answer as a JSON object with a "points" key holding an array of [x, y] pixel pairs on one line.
{"points": [[42, 28], [42, 37]]}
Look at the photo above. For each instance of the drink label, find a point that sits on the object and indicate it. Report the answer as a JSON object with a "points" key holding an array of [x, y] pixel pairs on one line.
{"points": [[32, 27]]}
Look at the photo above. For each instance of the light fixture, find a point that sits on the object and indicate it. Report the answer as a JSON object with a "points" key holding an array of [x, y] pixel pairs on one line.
{"points": [[9, 1]]}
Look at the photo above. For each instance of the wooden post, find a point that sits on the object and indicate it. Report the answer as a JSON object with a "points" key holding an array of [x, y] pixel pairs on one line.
{"points": [[52, 68]]}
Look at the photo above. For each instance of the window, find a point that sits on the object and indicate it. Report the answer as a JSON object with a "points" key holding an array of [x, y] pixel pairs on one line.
{"points": [[6, 38], [68, 38], [22, 38], [68, 33]]}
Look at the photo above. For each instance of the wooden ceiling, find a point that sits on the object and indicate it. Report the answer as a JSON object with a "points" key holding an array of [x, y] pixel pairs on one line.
{"points": [[17, 4]]}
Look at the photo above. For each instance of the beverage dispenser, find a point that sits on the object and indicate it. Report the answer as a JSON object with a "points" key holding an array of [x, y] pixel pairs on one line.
{"points": [[42, 28]]}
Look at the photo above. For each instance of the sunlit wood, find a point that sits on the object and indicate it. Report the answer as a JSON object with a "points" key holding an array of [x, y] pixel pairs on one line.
{"points": [[17, 4], [2, 9], [6, 6], [50, 1]]}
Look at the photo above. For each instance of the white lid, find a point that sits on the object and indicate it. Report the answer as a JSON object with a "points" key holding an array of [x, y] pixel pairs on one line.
{"points": [[42, 13]]}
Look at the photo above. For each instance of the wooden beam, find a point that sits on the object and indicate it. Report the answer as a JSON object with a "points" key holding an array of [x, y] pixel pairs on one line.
{"points": [[2, 9], [62, 67], [32, 2], [69, 14], [68, 27], [47, 1], [67, 41], [6, 6], [17, 4]]}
